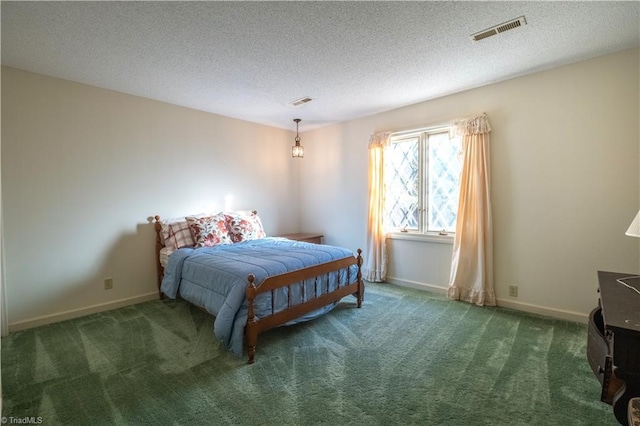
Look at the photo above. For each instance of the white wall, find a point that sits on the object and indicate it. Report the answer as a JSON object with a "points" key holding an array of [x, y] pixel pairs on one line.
{"points": [[84, 168], [565, 159]]}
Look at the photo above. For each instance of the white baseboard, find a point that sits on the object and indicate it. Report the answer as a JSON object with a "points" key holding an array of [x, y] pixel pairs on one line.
{"points": [[417, 285], [75, 313], [543, 310], [510, 304]]}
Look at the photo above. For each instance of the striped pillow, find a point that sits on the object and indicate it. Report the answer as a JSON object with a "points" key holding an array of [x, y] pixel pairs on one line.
{"points": [[177, 235]]}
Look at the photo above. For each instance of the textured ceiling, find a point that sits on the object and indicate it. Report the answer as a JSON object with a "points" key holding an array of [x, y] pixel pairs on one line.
{"points": [[249, 59]]}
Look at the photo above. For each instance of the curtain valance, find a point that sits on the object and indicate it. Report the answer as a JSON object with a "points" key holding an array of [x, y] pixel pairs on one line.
{"points": [[471, 126], [379, 139]]}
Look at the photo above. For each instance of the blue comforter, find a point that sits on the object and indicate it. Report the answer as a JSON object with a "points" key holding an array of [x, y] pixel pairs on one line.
{"points": [[215, 278]]}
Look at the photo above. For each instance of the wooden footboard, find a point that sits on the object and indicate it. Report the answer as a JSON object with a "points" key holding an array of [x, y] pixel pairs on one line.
{"points": [[313, 302]]}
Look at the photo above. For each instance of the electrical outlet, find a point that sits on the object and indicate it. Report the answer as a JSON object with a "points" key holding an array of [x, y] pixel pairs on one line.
{"points": [[108, 283], [513, 290]]}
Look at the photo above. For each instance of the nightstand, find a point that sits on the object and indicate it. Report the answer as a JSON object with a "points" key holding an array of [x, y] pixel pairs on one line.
{"points": [[303, 236]]}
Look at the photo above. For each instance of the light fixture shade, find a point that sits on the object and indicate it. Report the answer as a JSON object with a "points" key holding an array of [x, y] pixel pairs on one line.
{"points": [[634, 228], [297, 151]]}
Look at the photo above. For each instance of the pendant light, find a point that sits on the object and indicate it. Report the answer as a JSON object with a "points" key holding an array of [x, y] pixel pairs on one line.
{"points": [[297, 151]]}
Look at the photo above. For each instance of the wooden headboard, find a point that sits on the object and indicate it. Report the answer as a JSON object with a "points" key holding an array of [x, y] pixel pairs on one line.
{"points": [[159, 245]]}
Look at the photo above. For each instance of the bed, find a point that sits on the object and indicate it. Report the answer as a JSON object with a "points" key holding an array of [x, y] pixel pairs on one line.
{"points": [[249, 282]]}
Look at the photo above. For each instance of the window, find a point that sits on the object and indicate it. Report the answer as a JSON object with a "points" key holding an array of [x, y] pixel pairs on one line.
{"points": [[422, 181]]}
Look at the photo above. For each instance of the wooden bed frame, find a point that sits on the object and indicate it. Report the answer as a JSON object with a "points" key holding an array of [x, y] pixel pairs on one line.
{"points": [[255, 326]]}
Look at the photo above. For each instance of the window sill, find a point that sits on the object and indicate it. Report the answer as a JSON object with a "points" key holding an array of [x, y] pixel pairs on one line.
{"points": [[413, 236]]}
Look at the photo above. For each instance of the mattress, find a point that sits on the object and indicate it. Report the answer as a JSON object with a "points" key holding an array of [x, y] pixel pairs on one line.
{"points": [[165, 252]]}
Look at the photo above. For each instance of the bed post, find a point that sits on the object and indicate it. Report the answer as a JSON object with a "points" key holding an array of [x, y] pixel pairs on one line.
{"points": [[159, 268], [251, 328], [360, 294]]}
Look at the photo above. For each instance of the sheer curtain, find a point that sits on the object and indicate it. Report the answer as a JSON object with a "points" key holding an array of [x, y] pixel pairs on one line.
{"points": [[472, 261], [375, 259]]}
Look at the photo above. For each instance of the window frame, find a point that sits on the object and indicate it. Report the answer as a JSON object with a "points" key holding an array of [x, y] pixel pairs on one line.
{"points": [[421, 234]]}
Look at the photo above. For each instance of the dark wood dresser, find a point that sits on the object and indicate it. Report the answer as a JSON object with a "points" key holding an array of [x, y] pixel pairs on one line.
{"points": [[304, 236], [613, 341]]}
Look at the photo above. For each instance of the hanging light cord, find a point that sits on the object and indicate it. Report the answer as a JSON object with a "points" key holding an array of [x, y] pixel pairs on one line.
{"points": [[297, 139]]}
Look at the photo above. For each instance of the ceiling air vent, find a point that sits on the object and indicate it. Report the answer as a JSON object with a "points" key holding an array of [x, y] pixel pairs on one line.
{"points": [[497, 29], [300, 102]]}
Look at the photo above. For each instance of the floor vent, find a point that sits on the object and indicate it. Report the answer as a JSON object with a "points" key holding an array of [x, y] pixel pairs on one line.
{"points": [[497, 29], [300, 102]]}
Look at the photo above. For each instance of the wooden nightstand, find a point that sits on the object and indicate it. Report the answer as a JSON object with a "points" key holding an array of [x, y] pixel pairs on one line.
{"points": [[303, 236]]}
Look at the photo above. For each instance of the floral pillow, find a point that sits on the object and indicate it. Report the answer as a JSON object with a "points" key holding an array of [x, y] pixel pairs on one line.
{"points": [[209, 231], [244, 226]]}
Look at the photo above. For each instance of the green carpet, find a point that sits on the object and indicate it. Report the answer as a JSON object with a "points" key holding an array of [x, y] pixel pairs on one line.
{"points": [[406, 357]]}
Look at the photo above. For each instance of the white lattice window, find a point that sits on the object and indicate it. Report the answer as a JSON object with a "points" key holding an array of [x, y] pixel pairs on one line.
{"points": [[422, 181]]}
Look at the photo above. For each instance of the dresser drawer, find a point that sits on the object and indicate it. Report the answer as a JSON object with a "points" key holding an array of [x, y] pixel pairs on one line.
{"points": [[597, 346]]}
